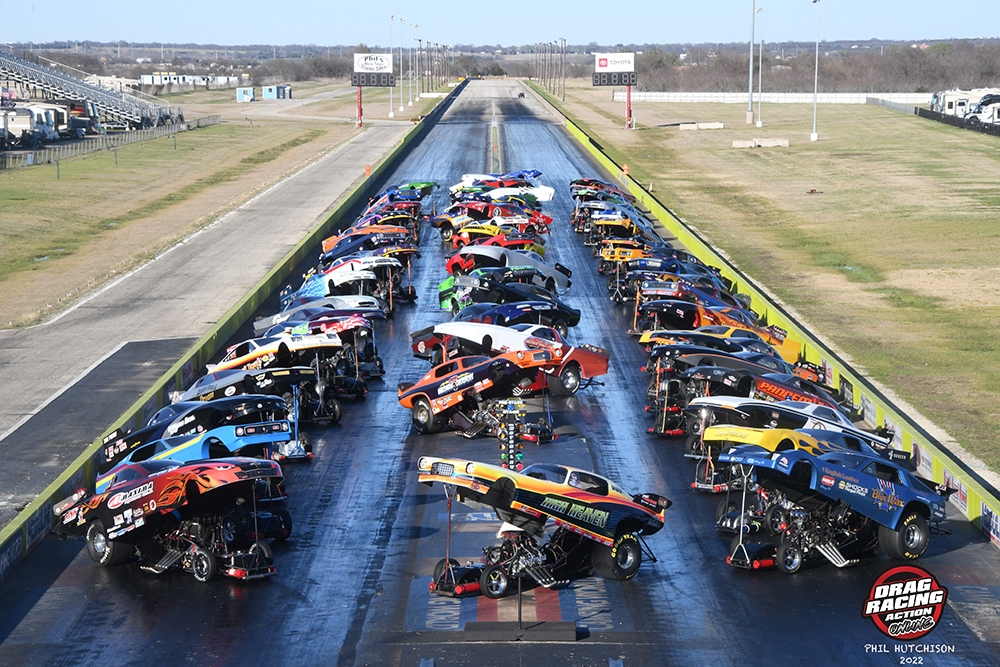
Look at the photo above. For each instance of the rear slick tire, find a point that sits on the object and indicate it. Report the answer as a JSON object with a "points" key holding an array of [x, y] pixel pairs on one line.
{"points": [[424, 419], [620, 561], [909, 541], [104, 551]]}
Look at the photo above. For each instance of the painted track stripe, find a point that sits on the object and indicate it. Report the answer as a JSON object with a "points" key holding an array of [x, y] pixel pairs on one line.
{"points": [[487, 609], [547, 605]]}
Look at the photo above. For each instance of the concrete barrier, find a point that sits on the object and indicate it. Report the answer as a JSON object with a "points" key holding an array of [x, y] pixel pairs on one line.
{"points": [[702, 126], [975, 498], [29, 527], [761, 143]]}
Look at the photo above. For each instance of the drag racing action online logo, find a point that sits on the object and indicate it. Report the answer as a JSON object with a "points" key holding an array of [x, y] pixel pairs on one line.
{"points": [[906, 603]]}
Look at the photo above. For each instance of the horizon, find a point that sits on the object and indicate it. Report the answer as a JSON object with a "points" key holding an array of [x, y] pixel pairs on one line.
{"points": [[581, 23]]}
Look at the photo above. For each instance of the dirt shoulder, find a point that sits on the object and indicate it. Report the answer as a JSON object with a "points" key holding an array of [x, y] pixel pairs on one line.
{"points": [[66, 237]]}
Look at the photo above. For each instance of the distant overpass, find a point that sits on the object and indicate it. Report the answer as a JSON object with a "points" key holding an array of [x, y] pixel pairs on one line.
{"points": [[115, 107]]}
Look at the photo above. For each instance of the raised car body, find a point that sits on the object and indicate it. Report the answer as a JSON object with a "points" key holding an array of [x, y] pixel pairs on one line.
{"points": [[254, 440], [786, 414], [474, 257], [353, 302], [142, 494], [452, 339], [870, 485], [193, 417], [581, 501], [550, 313], [446, 385], [280, 350]]}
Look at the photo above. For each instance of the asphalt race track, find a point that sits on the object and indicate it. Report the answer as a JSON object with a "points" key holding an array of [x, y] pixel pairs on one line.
{"points": [[352, 582]]}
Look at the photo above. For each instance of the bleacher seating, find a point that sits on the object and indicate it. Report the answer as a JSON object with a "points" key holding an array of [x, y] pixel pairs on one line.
{"points": [[115, 106]]}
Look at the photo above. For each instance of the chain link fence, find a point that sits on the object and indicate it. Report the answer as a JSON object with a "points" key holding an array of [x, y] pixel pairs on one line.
{"points": [[56, 153]]}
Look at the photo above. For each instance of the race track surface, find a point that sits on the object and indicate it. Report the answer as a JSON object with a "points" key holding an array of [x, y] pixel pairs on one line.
{"points": [[352, 581], [180, 294]]}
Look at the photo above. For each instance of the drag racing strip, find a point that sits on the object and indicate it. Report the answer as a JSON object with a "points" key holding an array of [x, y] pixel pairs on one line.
{"points": [[352, 582]]}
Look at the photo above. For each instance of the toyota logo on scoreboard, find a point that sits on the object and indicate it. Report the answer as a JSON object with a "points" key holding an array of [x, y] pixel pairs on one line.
{"points": [[373, 63], [614, 62]]}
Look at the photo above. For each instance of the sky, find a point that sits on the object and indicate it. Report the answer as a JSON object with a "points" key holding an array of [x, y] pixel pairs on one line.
{"points": [[338, 22]]}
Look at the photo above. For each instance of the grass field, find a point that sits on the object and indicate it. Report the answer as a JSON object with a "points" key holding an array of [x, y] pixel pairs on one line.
{"points": [[883, 235]]}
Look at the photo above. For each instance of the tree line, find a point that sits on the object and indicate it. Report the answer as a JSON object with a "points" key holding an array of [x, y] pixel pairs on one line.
{"points": [[706, 68]]}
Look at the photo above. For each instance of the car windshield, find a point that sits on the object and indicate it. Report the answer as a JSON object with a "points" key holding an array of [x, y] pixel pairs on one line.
{"points": [[547, 472]]}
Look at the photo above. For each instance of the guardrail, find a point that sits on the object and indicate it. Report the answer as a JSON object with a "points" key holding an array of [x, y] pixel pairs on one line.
{"points": [[48, 155], [975, 498], [29, 527]]}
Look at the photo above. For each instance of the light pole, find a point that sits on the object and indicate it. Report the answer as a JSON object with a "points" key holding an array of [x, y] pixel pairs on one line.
{"points": [[432, 48], [563, 67], [753, 33], [420, 71], [392, 23], [814, 136], [555, 67], [402, 24], [760, 71], [413, 26]]}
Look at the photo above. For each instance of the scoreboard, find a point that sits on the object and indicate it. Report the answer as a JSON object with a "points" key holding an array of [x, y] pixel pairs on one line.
{"points": [[614, 79]]}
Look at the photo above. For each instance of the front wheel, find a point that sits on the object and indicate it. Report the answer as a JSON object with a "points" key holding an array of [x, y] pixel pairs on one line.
{"points": [[232, 528], [334, 410], [203, 564], [775, 520], [620, 561], [262, 550], [286, 523], [909, 541], [494, 582], [562, 328], [789, 558], [446, 232]]}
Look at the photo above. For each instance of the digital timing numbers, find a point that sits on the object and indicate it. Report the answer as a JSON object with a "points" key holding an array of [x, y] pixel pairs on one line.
{"points": [[614, 79], [382, 80]]}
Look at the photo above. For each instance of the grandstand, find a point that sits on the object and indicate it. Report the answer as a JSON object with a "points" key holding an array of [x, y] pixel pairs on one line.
{"points": [[117, 108]]}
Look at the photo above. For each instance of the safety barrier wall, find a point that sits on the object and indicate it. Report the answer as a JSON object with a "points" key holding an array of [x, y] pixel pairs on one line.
{"points": [[26, 530], [975, 498], [772, 98]]}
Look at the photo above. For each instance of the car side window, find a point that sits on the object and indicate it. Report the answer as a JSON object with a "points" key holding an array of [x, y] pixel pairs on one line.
{"points": [[444, 370], [126, 475], [852, 443], [882, 471], [826, 413], [589, 483]]}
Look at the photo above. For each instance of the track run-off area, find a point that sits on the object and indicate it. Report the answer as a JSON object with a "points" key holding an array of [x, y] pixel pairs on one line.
{"points": [[352, 580]]}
